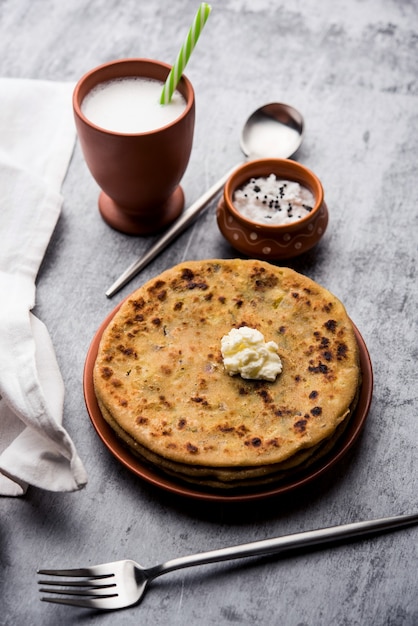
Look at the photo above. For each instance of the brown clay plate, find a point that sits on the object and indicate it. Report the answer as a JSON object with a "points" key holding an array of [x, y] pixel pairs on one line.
{"points": [[152, 476]]}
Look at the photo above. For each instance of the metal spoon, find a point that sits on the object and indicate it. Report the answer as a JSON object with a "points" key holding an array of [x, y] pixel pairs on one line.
{"points": [[273, 130]]}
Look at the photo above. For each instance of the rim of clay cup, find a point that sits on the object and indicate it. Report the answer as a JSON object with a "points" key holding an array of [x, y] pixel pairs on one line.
{"points": [[87, 82]]}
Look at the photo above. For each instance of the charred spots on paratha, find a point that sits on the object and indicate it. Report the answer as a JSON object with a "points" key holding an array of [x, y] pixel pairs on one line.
{"points": [[342, 351], [106, 372], [137, 304], [244, 323], [300, 425], [282, 411], [187, 274], [331, 325], [189, 277], [226, 428], [201, 400], [257, 443], [320, 368], [254, 442], [165, 402], [156, 286], [158, 290], [330, 350], [127, 351], [188, 280], [265, 395], [191, 448], [263, 279], [198, 285], [316, 411], [313, 395]]}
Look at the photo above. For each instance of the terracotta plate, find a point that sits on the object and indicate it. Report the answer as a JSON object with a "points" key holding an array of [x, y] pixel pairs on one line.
{"points": [[153, 476]]}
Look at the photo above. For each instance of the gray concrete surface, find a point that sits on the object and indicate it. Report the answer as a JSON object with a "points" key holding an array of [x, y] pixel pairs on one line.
{"points": [[351, 69]]}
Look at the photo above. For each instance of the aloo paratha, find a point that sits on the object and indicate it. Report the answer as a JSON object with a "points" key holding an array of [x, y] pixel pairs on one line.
{"points": [[161, 384]]}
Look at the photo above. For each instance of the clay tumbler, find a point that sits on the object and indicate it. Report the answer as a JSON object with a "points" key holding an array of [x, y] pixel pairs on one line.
{"points": [[139, 174]]}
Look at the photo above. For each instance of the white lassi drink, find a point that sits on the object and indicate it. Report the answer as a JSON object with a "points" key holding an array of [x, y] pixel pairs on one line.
{"points": [[131, 105]]}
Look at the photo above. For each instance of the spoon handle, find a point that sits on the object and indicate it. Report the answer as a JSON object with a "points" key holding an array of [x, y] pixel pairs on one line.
{"points": [[174, 231], [287, 542]]}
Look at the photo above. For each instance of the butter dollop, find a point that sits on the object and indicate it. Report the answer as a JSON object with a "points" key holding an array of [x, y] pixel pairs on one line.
{"points": [[245, 352]]}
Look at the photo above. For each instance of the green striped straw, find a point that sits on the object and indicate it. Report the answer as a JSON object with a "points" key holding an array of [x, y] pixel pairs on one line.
{"points": [[185, 52]]}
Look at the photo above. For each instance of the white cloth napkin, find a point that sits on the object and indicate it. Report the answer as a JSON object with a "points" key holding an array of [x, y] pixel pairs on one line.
{"points": [[37, 136]]}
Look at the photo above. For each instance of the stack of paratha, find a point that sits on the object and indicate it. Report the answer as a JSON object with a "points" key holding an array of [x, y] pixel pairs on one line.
{"points": [[160, 381]]}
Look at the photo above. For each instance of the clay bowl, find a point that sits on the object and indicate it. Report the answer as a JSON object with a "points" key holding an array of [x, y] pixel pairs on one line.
{"points": [[266, 241]]}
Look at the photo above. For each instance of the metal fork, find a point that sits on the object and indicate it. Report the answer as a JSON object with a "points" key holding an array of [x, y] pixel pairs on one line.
{"points": [[124, 583]]}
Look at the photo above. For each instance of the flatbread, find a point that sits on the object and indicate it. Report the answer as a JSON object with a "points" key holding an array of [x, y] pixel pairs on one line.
{"points": [[160, 381]]}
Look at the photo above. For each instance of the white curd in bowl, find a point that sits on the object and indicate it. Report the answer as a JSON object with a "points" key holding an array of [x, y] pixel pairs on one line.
{"points": [[273, 201]]}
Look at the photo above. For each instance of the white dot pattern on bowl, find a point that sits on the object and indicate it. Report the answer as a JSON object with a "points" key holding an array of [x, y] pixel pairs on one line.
{"points": [[268, 247]]}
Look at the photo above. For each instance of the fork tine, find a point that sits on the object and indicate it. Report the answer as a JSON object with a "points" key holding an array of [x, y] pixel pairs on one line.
{"points": [[73, 583], [85, 571], [83, 603], [84, 582], [80, 592]]}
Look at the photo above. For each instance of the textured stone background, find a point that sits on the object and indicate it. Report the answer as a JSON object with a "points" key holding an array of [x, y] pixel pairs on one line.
{"points": [[351, 69]]}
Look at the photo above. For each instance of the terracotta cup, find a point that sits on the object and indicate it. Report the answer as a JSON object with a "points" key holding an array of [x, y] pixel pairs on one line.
{"points": [[139, 174]]}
